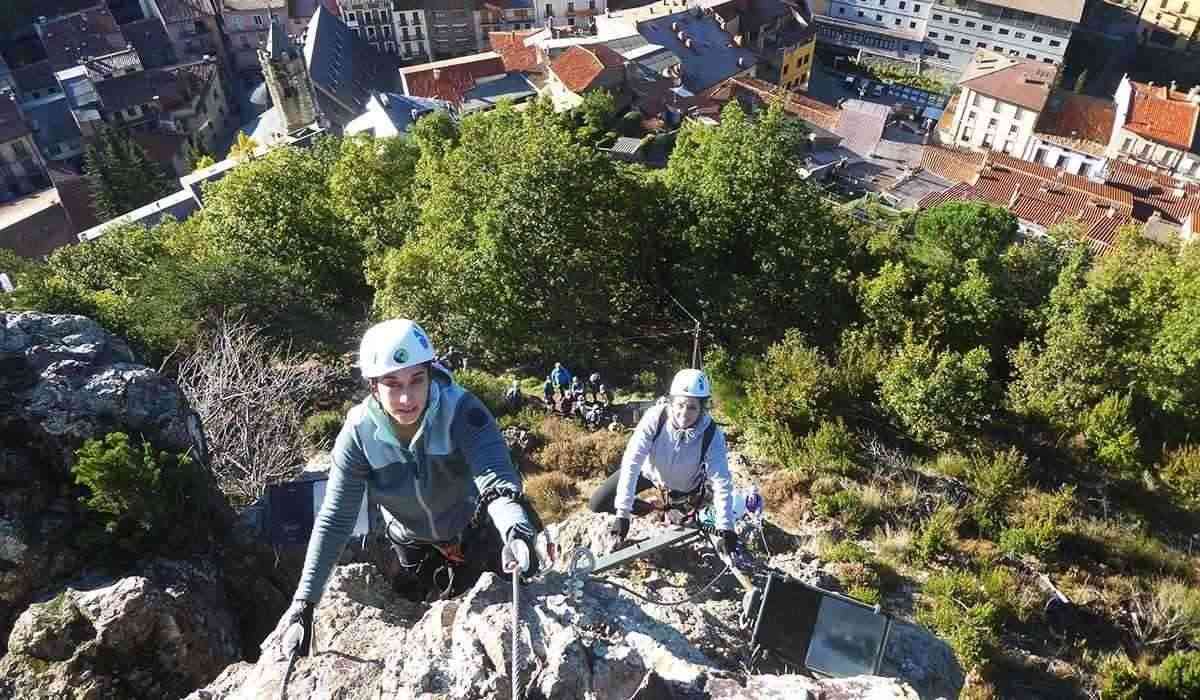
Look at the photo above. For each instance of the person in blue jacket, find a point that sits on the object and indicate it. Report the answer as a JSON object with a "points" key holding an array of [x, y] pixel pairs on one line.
{"points": [[561, 379], [433, 459]]}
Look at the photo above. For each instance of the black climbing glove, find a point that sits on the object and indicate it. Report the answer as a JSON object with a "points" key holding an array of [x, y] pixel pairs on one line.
{"points": [[619, 529], [727, 542], [294, 631]]}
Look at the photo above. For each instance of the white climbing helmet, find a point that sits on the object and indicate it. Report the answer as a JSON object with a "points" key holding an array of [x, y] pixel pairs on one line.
{"points": [[392, 345], [690, 382]]}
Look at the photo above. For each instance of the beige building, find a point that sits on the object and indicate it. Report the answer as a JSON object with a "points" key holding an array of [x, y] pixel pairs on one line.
{"points": [[1000, 102], [1156, 127], [246, 24], [1171, 24]]}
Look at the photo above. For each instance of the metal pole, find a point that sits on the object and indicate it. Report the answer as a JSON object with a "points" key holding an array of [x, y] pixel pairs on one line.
{"points": [[696, 347]]}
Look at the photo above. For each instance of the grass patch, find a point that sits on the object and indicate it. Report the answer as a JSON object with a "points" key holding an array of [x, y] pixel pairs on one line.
{"points": [[937, 537], [1125, 548], [1038, 523], [553, 495], [585, 455]]}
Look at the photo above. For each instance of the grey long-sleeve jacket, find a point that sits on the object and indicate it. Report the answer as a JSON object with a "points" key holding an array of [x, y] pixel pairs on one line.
{"points": [[427, 490]]}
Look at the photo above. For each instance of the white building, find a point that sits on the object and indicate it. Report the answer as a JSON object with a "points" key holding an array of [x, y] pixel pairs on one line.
{"points": [[1000, 102], [1157, 127], [1072, 134]]}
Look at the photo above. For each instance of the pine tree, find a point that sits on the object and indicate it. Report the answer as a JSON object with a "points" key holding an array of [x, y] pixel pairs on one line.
{"points": [[121, 176], [1081, 81]]}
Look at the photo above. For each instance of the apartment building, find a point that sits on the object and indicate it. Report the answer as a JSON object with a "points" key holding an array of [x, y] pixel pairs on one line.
{"points": [[1000, 101], [22, 169], [1025, 29], [452, 28], [571, 13], [246, 24], [1171, 24], [1157, 127], [412, 30], [504, 16], [372, 21]]}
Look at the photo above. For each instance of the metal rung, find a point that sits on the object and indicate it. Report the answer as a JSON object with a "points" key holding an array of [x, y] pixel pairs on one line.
{"points": [[641, 549]]}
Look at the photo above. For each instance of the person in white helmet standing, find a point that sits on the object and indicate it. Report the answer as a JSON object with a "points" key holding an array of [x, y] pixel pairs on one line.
{"points": [[433, 459], [679, 449]]}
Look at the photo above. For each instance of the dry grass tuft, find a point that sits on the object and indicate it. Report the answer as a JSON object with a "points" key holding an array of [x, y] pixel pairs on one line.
{"points": [[553, 495]]}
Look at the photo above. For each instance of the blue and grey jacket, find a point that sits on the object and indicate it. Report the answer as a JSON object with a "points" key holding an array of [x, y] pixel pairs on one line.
{"points": [[427, 490]]}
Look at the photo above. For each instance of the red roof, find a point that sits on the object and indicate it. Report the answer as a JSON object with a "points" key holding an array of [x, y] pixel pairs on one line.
{"points": [[794, 103], [512, 49], [953, 164], [1162, 115], [450, 80], [1078, 121], [580, 66]]}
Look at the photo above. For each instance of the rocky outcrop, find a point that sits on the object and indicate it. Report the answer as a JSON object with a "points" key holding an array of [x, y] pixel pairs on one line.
{"points": [[82, 620], [157, 634], [599, 642]]}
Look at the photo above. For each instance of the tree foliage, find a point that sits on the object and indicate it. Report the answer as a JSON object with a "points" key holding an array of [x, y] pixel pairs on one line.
{"points": [[120, 175]]}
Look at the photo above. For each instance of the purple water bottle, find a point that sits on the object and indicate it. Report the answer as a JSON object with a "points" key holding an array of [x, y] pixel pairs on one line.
{"points": [[754, 503]]}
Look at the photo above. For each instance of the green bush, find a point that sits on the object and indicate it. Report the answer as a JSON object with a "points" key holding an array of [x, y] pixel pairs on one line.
{"points": [[321, 429], [846, 551], [1119, 680], [846, 506], [646, 382], [938, 535], [1178, 676], [955, 606], [1038, 523], [995, 481], [141, 500], [1181, 473], [488, 387], [830, 448], [939, 397], [1111, 437], [791, 385]]}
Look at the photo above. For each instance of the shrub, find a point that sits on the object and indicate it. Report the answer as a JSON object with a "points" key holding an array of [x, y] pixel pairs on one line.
{"points": [[994, 482], [321, 429], [894, 544], [846, 506], [1166, 615], [830, 448], [488, 387], [845, 551], [1038, 523], [790, 386], [590, 455], [952, 464], [952, 606], [1111, 437], [646, 381], [937, 536], [1181, 473], [1178, 676], [552, 495], [529, 417], [1120, 680], [142, 500], [938, 396]]}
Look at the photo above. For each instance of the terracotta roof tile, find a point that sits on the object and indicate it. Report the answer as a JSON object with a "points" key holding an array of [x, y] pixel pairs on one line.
{"points": [[512, 49], [796, 104], [1162, 115], [580, 66], [1077, 121], [451, 80], [946, 121], [953, 164]]}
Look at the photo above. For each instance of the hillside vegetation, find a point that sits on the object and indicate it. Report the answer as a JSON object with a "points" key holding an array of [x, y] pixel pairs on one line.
{"points": [[965, 414]]}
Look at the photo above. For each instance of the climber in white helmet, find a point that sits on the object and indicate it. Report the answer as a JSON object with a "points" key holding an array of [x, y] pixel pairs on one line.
{"points": [[679, 449], [433, 459]]}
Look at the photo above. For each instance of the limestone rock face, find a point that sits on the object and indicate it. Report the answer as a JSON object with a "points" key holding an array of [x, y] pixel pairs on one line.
{"points": [[156, 634]]}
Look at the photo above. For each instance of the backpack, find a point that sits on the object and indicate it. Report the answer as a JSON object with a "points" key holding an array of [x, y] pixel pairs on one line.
{"points": [[705, 441]]}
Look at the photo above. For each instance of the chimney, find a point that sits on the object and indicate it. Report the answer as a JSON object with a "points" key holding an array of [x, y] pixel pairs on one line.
{"points": [[1012, 201], [675, 26], [688, 42], [1173, 86]]}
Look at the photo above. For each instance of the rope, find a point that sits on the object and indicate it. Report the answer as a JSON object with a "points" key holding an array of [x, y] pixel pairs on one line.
{"points": [[516, 645]]}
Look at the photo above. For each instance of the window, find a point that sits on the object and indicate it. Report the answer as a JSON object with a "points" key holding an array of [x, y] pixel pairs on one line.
{"points": [[416, 18], [976, 101], [953, 20], [903, 3], [1037, 39], [1085, 169], [966, 135], [570, 7], [1145, 150], [987, 27], [987, 140], [1125, 147], [943, 55], [912, 25], [549, 10], [404, 33], [402, 21], [1040, 155], [933, 35], [1162, 4], [370, 32], [878, 18], [948, 37], [897, 21], [1020, 35], [981, 44], [971, 25], [1012, 129], [1047, 60], [407, 50], [591, 4], [965, 41], [1166, 157], [937, 17], [916, 8], [387, 32], [1004, 31], [841, 10], [860, 13], [1030, 56], [258, 20], [1055, 42], [1018, 114], [992, 123]]}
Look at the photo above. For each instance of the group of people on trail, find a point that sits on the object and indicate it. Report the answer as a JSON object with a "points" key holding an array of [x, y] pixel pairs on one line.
{"points": [[569, 395], [430, 455]]}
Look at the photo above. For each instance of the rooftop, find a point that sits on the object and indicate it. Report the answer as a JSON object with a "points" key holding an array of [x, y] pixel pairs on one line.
{"points": [[861, 125], [450, 79], [35, 76], [1066, 10], [814, 112], [1077, 121], [712, 56], [512, 49], [12, 123], [1162, 115], [579, 67], [1018, 81], [92, 32], [149, 38], [391, 114], [52, 121], [514, 87], [345, 67]]}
